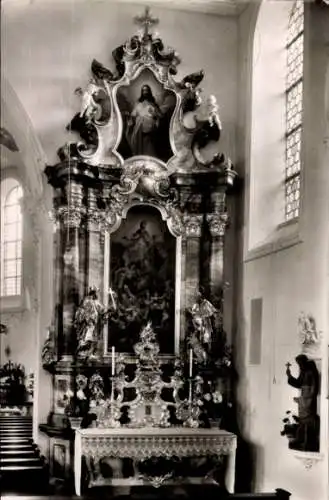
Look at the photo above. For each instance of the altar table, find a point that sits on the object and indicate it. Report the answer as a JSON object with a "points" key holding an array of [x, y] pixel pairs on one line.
{"points": [[150, 442]]}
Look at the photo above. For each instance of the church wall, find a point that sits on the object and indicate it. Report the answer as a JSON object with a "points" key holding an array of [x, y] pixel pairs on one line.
{"points": [[290, 276]]}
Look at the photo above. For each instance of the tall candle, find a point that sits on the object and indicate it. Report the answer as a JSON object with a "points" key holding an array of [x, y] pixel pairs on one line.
{"points": [[112, 298], [191, 363], [113, 361]]}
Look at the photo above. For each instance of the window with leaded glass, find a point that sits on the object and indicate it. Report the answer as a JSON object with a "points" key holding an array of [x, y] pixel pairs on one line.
{"points": [[11, 241], [294, 109]]}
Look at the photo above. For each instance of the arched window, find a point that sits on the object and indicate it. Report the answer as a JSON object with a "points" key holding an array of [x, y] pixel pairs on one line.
{"points": [[294, 109], [274, 165], [11, 238]]}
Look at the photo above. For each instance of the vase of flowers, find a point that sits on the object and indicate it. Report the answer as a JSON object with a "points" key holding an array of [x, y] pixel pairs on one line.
{"points": [[290, 425], [212, 403]]}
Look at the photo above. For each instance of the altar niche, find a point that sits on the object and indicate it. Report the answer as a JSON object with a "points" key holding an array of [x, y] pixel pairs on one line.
{"points": [[142, 275], [146, 108]]}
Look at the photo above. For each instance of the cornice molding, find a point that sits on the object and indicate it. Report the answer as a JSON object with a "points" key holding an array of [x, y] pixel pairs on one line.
{"points": [[214, 7]]}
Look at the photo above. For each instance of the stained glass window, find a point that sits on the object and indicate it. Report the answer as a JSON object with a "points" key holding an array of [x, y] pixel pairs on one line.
{"points": [[294, 109], [11, 243]]}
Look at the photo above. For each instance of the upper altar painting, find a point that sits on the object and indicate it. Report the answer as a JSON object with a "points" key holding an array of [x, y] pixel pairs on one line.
{"points": [[146, 108]]}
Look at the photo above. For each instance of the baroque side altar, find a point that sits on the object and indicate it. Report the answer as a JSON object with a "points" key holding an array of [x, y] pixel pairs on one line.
{"points": [[139, 209]]}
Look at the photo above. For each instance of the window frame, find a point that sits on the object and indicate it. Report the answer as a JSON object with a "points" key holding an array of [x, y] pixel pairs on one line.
{"points": [[11, 301], [294, 176]]}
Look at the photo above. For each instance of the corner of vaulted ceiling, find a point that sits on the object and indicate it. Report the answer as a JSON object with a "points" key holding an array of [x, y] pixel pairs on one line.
{"points": [[16, 120]]}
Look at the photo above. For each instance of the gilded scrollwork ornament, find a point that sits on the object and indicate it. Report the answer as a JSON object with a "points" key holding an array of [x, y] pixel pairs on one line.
{"points": [[175, 219]]}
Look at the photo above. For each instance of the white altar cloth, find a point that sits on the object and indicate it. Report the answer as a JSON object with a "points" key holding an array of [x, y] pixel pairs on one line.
{"points": [[143, 443]]}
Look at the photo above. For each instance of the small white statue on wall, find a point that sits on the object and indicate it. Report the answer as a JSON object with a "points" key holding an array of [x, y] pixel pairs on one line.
{"points": [[307, 329]]}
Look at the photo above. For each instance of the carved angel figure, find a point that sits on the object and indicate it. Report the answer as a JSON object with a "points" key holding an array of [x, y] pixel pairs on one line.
{"points": [[89, 108], [213, 111]]}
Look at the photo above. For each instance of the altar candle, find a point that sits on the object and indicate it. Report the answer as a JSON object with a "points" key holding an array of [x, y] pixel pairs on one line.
{"points": [[112, 298], [191, 363], [113, 361]]}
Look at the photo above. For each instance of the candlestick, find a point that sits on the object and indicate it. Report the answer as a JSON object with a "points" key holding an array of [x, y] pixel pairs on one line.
{"points": [[190, 391], [191, 363], [112, 298], [113, 361]]}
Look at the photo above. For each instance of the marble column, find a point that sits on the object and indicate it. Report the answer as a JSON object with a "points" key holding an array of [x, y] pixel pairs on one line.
{"points": [[191, 245], [95, 244], [95, 264], [217, 222], [72, 220]]}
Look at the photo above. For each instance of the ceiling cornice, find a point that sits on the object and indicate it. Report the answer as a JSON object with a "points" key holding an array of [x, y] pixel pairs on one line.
{"points": [[216, 7]]}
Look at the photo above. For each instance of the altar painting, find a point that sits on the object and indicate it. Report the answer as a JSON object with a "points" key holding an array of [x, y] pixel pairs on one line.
{"points": [[146, 110], [142, 275]]}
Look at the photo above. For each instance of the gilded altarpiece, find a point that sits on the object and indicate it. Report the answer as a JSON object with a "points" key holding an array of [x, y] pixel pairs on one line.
{"points": [[140, 218]]}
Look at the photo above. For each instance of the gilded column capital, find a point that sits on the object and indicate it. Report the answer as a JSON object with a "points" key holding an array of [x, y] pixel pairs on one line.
{"points": [[102, 220], [71, 216], [192, 225], [217, 224]]}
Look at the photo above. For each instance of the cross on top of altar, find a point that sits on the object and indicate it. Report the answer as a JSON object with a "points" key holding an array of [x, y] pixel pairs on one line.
{"points": [[146, 21]]}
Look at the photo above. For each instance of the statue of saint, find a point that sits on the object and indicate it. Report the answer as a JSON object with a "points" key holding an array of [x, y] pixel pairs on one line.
{"points": [[307, 435], [143, 124], [88, 319], [202, 312], [48, 354]]}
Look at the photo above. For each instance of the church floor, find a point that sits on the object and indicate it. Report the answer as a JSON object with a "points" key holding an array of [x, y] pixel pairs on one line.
{"points": [[136, 494]]}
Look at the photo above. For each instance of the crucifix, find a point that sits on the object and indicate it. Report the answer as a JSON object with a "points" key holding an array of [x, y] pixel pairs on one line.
{"points": [[146, 21], [288, 372]]}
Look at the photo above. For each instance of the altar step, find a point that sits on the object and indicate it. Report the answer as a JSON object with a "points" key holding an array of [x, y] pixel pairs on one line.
{"points": [[183, 493], [22, 468], [156, 495]]}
